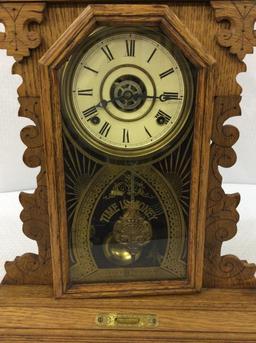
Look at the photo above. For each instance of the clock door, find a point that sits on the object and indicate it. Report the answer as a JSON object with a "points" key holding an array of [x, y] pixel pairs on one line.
{"points": [[128, 99], [127, 105]]}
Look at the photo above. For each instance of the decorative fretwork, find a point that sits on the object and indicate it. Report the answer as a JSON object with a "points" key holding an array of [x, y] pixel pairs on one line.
{"points": [[222, 217], [18, 38], [240, 37], [32, 268]]}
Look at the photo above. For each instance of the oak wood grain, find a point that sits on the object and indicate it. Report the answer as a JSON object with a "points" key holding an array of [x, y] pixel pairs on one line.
{"points": [[240, 36], [17, 18]]}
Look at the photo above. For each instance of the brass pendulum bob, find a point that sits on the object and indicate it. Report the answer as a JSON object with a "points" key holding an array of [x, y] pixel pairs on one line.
{"points": [[130, 234]]}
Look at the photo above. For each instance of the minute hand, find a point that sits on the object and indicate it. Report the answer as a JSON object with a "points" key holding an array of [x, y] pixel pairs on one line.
{"points": [[164, 97]]}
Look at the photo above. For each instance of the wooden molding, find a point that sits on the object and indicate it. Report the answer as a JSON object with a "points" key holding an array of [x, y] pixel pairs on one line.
{"points": [[241, 15], [94, 15], [223, 271], [31, 268], [18, 38]]}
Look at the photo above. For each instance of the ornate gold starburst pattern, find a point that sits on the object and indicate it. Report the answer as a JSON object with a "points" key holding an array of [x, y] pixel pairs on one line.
{"points": [[177, 169]]}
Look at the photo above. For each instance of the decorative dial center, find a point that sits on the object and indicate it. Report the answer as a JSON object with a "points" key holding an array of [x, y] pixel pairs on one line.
{"points": [[127, 86], [128, 93]]}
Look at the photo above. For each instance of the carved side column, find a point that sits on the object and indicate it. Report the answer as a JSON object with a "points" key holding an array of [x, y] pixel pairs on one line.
{"points": [[31, 268], [222, 217], [18, 39]]}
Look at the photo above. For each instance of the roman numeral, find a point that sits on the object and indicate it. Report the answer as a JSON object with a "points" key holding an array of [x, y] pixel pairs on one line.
{"points": [[166, 73], [162, 117], [90, 112], [105, 129], [92, 70], [126, 138], [107, 52], [86, 92], [152, 55], [130, 47], [147, 132]]}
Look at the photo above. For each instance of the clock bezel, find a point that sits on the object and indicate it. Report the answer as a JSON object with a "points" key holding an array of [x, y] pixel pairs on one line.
{"points": [[100, 150]]}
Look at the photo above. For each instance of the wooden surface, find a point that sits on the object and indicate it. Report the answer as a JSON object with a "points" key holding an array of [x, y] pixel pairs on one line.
{"points": [[31, 315], [200, 21]]}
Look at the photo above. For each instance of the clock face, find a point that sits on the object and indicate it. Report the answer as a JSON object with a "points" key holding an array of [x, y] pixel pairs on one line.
{"points": [[127, 93]]}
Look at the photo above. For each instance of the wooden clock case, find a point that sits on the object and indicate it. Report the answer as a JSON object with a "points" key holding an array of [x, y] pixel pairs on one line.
{"points": [[106, 15], [40, 36]]}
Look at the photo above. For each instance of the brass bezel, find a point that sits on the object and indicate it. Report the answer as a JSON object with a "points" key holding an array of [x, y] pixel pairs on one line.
{"points": [[101, 150]]}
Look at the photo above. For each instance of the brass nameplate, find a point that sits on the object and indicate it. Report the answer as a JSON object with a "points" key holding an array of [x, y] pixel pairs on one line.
{"points": [[126, 320]]}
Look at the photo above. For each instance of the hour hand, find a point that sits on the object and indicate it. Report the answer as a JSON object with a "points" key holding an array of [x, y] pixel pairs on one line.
{"points": [[169, 96], [103, 103]]}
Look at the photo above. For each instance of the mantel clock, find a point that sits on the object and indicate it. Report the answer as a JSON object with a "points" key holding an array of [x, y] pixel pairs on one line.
{"points": [[129, 102]]}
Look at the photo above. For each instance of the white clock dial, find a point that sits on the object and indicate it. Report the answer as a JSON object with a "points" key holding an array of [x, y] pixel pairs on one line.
{"points": [[130, 94]]}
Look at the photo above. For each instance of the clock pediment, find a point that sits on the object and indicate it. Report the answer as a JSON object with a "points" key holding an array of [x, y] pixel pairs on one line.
{"points": [[94, 16]]}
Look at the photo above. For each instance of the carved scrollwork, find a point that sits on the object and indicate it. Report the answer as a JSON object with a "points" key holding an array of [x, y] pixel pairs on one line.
{"points": [[31, 268], [18, 38], [222, 217], [240, 37]]}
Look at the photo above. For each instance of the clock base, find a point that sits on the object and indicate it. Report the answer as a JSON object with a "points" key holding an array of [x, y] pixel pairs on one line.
{"points": [[30, 314]]}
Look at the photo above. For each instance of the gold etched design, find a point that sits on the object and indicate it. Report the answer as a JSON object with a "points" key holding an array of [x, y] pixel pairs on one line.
{"points": [[81, 229], [241, 15], [125, 188], [176, 168], [132, 229], [18, 38], [85, 268], [172, 260], [79, 170]]}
